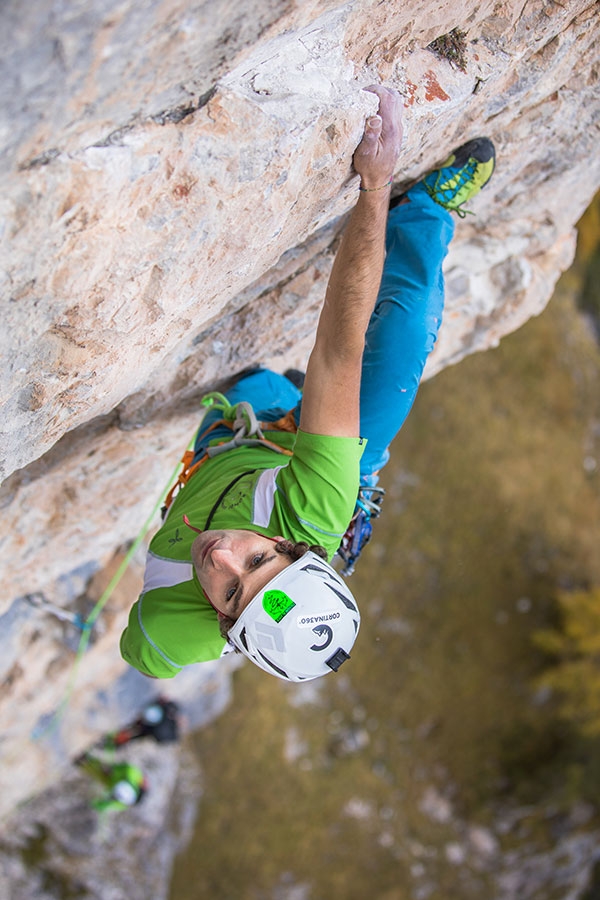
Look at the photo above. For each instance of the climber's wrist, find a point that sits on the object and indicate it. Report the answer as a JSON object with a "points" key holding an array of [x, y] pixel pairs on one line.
{"points": [[366, 186]]}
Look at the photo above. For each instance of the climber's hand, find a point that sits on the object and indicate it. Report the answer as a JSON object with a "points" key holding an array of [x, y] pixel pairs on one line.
{"points": [[376, 155]]}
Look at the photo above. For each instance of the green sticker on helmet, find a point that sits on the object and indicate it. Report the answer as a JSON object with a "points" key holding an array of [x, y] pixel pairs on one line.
{"points": [[277, 604]]}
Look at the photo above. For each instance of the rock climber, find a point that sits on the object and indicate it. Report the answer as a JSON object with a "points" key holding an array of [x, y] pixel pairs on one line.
{"points": [[159, 720], [124, 783], [242, 560]]}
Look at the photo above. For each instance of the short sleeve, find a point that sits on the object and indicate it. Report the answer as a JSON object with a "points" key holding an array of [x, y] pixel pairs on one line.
{"points": [[318, 487], [139, 652]]}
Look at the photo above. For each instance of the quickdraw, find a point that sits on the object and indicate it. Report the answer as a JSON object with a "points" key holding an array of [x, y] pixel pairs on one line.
{"points": [[359, 531], [39, 600]]}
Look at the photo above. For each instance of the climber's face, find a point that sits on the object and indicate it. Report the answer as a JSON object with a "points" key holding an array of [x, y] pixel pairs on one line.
{"points": [[232, 566]]}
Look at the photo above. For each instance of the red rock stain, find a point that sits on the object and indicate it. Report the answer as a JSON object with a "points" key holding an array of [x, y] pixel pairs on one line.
{"points": [[181, 190], [184, 185], [433, 91], [411, 90]]}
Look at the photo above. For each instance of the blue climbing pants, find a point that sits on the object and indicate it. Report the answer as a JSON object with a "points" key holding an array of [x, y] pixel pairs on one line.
{"points": [[401, 334]]}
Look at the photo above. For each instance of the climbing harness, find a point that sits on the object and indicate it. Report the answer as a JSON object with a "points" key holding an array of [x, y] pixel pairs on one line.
{"points": [[247, 432], [359, 531]]}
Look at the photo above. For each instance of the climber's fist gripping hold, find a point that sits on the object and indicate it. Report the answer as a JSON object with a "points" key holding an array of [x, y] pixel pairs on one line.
{"points": [[376, 156]]}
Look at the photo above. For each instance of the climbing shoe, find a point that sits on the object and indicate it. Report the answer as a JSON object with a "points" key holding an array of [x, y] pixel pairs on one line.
{"points": [[462, 175]]}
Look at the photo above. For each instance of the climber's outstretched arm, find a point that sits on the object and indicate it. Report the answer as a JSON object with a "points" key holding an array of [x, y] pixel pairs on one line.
{"points": [[330, 403]]}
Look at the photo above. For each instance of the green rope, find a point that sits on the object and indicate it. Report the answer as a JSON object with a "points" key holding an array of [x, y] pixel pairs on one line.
{"points": [[90, 621], [216, 400]]}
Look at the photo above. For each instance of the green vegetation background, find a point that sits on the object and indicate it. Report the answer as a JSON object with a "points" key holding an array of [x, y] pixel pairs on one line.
{"points": [[459, 687]]}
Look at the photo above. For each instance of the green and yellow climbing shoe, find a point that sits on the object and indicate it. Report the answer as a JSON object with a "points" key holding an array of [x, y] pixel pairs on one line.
{"points": [[462, 175]]}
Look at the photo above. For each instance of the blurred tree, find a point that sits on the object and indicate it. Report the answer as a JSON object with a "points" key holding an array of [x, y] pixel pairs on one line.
{"points": [[575, 646], [588, 256]]}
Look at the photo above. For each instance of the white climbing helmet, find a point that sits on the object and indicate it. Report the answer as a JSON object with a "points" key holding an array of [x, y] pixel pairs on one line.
{"points": [[153, 714], [125, 793], [302, 624]]}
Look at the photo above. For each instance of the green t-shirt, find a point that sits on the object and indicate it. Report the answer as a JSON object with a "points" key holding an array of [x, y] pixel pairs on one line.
{"points": [[309, 496]]}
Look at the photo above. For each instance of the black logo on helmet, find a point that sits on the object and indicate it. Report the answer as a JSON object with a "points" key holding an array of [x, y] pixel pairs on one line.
{"points": [[331, 576], [323, 631]]}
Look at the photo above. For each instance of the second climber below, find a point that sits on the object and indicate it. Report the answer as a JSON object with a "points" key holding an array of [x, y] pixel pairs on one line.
{"points": [[268, 508]]}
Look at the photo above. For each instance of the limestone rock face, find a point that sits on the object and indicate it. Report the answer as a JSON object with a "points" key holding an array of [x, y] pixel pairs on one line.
{"points": [[173, 179]]}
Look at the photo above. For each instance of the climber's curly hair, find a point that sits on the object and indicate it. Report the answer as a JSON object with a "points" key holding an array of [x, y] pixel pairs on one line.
{"points": [[294, 550]]}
